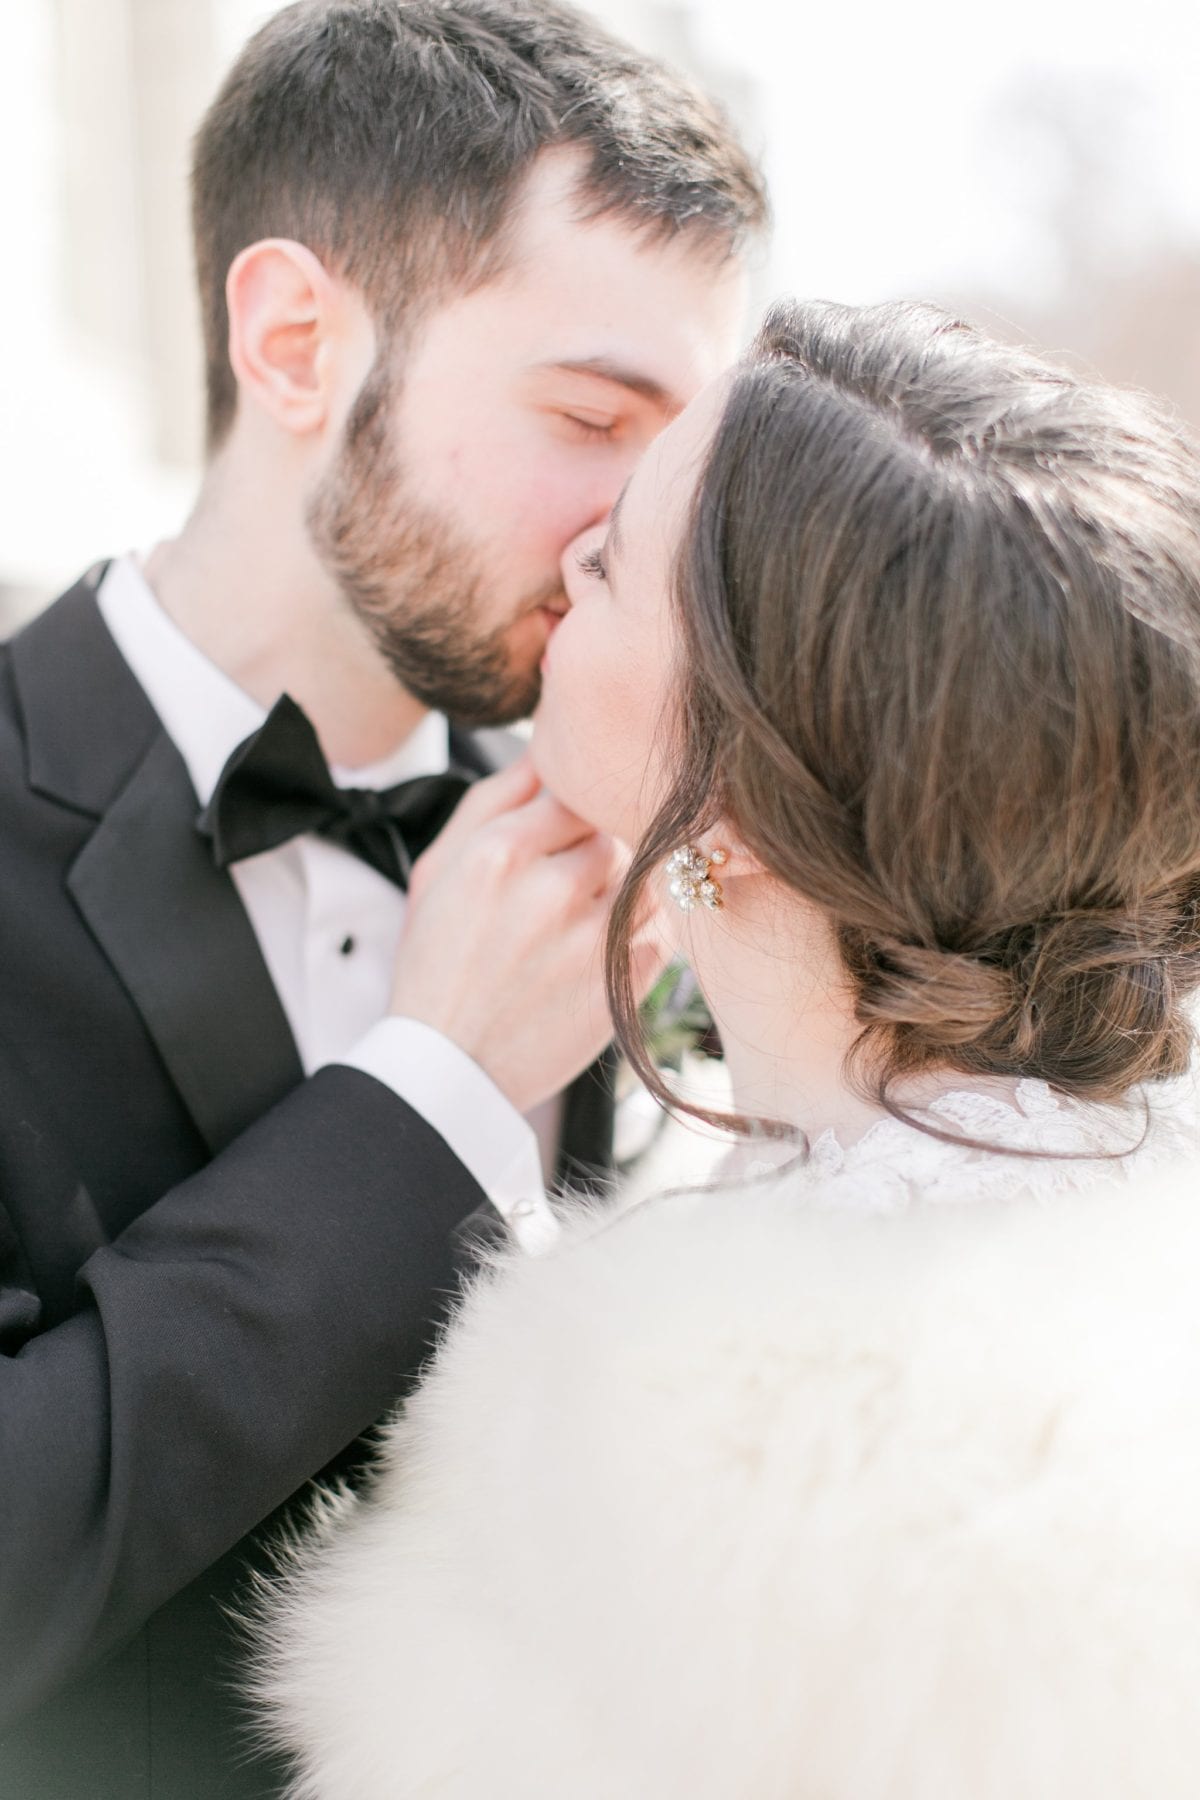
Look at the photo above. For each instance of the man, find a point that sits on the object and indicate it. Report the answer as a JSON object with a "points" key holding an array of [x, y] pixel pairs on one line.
{"points": [[459, 261]]}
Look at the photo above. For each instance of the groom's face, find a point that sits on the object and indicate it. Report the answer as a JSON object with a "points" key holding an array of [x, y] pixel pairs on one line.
{"points": [[510, 426]]}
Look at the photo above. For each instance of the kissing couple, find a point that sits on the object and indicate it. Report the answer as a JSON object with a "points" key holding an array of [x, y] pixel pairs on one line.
{"points": [[865, 675]]}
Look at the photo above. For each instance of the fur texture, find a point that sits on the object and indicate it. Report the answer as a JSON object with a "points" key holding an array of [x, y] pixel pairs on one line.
{"points": [[726, 1499]]}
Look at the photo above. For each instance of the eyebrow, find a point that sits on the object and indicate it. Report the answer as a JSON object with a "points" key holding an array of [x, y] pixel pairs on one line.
{"points": [[606, 368]]}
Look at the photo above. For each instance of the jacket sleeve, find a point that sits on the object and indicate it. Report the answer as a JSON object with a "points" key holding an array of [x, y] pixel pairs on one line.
{"points": [[225, 1347]]}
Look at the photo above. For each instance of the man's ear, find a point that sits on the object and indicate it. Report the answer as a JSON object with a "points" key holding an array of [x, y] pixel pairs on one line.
{"points": [[283, 313]]}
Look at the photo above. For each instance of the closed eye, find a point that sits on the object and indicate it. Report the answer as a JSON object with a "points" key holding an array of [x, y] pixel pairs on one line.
{"points": [[589, 427], [591, 563]]}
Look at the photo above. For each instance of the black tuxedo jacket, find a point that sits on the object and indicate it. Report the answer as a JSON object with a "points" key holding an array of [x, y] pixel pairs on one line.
{"points": [[214, 1274]]}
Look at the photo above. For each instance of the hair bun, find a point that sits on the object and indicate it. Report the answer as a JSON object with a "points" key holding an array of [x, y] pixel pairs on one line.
{"points": [[1088, 1000], [948, 998]]}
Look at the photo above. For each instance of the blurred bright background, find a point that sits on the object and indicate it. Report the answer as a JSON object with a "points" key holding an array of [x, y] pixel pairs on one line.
{"points": [[1035, 166]]}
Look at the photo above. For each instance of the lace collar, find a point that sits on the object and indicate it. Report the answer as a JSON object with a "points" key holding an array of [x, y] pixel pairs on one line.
{"points": [[893, 1165]]}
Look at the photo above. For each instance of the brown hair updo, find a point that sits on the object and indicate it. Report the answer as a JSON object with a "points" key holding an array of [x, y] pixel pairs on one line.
{"points": [[939, 609]]}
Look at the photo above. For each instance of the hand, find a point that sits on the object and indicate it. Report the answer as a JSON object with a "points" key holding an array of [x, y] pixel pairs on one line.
{"points": [[502, 948]]}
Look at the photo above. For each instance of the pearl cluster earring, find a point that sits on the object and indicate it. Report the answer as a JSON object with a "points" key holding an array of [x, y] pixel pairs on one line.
{"points": [[690, 881]]}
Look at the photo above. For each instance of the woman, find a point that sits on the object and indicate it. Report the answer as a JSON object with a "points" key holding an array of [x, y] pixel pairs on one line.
{"points": [[889, 665]]}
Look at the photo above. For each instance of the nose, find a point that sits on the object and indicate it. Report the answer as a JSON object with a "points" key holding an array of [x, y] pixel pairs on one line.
{"points": [[611, 479]]}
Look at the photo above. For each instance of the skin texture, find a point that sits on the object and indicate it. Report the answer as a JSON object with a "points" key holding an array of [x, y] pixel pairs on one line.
{"points": [[767, 962], [383, 530], [522, 410], [601, 733], [484, 446]]}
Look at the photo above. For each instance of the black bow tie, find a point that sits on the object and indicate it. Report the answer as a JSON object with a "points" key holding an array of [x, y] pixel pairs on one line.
{"points": [[277, 785]]}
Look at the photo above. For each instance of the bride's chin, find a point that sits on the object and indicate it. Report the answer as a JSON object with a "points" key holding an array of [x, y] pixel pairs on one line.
{"points": [[541, 755], [552, 776]]}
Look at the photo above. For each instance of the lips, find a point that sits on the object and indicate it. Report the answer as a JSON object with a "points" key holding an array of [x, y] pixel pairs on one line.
{"points": [[553, 616]]}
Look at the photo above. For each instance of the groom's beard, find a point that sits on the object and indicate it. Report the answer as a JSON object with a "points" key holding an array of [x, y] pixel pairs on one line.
{"points": [[414, 582]]}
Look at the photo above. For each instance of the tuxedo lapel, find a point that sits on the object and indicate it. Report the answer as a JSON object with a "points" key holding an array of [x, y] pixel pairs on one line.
{"points": [[176, 932], [169, 921]]}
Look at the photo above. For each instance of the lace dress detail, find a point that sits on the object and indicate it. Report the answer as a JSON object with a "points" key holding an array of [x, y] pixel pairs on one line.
{"points": [[1079, 1145]]}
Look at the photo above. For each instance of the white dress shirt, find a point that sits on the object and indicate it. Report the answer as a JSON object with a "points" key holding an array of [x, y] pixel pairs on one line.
{"points": [[329, 925]]}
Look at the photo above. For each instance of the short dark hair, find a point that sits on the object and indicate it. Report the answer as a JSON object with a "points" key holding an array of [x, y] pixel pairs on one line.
{"points": [[939, 604], [391, 136]]}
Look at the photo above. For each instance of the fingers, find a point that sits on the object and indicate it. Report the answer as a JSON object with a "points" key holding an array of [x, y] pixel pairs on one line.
{"points": [[504, 936], [486, 800], [582, 873], [594, 867], [505, 819], [544, 827], [586, 995]]}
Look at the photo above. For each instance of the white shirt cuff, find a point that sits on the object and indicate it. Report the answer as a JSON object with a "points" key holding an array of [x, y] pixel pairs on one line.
{"points": [[484, 1130]]}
